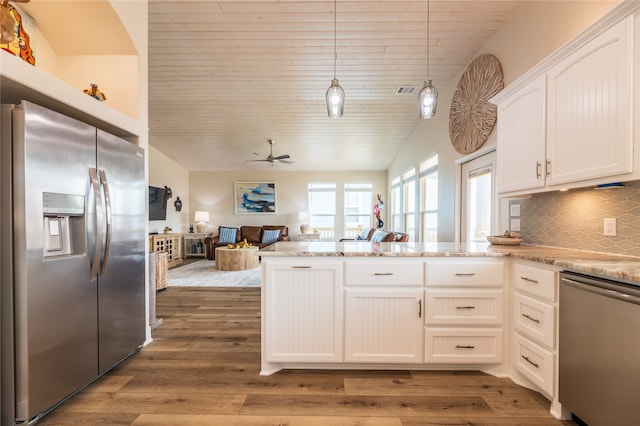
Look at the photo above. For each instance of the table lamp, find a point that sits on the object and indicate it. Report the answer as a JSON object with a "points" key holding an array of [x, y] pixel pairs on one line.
{"points": [[303, 218], [202, 218]]}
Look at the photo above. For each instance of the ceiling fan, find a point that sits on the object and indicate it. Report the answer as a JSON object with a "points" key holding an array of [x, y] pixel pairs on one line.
{"points": [[271, 159], [7, 23]]}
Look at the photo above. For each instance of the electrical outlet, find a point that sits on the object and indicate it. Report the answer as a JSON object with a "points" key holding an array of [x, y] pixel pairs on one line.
{"points": [[609, 227], [514, 225], [515, 210]]}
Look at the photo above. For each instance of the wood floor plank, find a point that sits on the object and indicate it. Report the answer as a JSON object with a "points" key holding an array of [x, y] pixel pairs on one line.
{"points": [[155, 403], [387, 406], [427, 388], [196, 420], [203, 366]]}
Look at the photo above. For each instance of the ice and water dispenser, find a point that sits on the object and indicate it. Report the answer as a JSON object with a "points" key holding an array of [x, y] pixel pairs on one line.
{"points": [[64, 224]]}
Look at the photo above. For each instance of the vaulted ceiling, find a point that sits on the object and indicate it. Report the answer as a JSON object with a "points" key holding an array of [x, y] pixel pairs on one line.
{"points": [[227, 76]]}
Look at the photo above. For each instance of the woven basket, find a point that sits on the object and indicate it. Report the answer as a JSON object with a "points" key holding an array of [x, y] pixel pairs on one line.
{"points": [[504, 241], [162, 260]]}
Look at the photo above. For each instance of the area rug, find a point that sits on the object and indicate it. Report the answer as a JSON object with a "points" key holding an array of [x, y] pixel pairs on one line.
{"points": [[204, 274]]}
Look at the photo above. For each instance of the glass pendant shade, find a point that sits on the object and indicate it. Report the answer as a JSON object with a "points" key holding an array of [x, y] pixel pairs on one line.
{"points": [[428, 99], [335, 99]]}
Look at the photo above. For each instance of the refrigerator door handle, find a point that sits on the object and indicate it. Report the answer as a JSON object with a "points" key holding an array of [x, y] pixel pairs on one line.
{"points": [[107, 202], [95, 184]]}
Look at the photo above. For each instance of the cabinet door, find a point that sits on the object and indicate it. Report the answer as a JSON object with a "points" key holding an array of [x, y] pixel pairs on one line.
{"points": [[590, 109], [303, 312], [384, 325], [521, 138]]}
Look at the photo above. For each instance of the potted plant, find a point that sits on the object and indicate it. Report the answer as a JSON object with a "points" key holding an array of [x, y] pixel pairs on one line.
{"points": [[167, 229]]}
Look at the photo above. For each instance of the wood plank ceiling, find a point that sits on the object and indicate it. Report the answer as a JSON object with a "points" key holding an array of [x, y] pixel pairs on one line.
{"points": [[227, 76]]}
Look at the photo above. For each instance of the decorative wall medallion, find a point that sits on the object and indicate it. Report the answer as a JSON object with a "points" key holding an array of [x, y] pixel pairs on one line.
{"points": [[472, 117]]}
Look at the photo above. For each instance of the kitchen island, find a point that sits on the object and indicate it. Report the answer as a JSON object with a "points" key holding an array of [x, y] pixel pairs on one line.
{"points": [[477, 306], [605, 265]]}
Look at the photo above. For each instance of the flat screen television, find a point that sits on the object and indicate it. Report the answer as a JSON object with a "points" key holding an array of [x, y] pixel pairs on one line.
{"points": [[157, 203]]}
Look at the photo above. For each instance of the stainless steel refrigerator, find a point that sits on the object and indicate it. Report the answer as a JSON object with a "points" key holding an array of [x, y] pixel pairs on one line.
{"points": [[72, 219]]}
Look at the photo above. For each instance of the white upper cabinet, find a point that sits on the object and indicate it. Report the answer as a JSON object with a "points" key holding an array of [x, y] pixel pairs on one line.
{"points": [[569, 121], [590, 109], [521, 136]]}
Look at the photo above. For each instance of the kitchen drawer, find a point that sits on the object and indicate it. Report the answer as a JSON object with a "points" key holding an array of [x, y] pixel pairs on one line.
{"points": [[383, 273], [534, 362], [465, 273], [463, 346], [535, 281], [463, 307], [534, 319]]}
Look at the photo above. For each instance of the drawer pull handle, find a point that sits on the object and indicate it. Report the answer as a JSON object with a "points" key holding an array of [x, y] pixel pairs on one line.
{"points": [[529, 280], [530, 318], [301, 267], [420, 308], [465, 307], [382, 273], [526, 358], [465, 347], [459, 274]]}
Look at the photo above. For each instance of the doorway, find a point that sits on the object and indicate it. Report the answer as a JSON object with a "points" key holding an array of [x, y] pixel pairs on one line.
{"points": [[477, 200]]}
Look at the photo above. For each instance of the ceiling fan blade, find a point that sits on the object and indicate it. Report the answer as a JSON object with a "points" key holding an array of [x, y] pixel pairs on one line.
{"points": [[262, 159], [281, 157], [287, 161]]}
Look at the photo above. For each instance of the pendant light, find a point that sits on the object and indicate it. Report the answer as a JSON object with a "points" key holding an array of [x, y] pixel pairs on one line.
{"points": [[428, 96], [335, 93]]}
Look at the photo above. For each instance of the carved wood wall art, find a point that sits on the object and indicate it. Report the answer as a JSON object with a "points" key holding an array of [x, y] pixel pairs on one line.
{"points": [[472, 117]]}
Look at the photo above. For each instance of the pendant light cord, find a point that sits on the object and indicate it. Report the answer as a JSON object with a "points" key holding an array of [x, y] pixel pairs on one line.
{"points": [[428, 20], [335, 36]]}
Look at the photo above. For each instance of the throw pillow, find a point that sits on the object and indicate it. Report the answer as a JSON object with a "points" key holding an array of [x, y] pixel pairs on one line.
{"points": [[364, 234], [227, 235], [270, 236], [378, 236]]}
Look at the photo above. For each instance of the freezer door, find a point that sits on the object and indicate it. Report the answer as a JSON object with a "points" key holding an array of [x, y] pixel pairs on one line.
{"points": [[121, 278], [55, 299]]}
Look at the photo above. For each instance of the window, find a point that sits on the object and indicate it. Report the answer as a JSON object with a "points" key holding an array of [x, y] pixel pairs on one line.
{"points": [[477, 203], [409, 203], [322, 206], [395, 204], [429, 199], [358, 205]]}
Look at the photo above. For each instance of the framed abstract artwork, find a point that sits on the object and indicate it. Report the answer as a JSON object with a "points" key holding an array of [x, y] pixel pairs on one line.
{"points": [[254, 197]]}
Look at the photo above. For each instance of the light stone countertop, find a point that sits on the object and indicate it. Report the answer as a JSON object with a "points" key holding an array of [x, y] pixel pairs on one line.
{"points": [[617, 267]]}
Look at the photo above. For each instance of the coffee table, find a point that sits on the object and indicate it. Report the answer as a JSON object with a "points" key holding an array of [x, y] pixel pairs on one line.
{"points": [[236, 259]]}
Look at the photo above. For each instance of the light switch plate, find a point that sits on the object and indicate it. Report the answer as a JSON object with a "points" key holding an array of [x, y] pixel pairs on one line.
{"points": [[514, 225], [515, 210]]}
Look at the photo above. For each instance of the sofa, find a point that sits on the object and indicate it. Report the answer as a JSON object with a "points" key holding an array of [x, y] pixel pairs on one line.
{"points": [[258, 236], [379, 236]]}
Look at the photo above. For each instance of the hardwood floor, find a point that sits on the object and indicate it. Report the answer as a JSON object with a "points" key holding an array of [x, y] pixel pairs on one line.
{"points": [[202, 369]]}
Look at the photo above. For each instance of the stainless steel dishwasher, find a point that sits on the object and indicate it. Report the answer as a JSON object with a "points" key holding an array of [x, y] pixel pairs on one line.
{"points": [[599, 350]]}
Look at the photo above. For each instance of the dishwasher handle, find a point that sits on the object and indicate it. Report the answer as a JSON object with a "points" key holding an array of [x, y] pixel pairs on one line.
{"points": [[604, 288]]}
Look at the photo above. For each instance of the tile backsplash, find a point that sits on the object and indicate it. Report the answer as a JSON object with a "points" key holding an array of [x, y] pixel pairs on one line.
{"points": [[574, 219]]}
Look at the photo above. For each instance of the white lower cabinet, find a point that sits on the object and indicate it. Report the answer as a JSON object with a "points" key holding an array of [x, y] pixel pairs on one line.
{"points": [[463, 345], [464, 311], [384, 325], [302, 312], [319, 312], [534, 362], [534, 307]]}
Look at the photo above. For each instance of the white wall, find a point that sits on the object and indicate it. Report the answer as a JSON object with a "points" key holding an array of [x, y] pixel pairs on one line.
{"points": [[213, 192], [536, 30], [163, 171]]}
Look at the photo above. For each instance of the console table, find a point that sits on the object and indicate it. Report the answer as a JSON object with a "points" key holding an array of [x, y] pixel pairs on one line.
{"points": [[309, 237], [169, 243], [189, 240]]}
